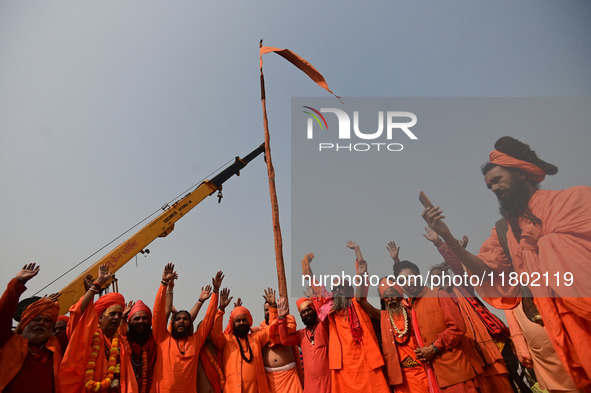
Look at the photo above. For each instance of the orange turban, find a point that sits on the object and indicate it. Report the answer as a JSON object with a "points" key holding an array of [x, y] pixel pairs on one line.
{"points": [[42, 306], [303, 303], [385, 285], [140, 306], [108, 300], [498, 158], [235, 312]]}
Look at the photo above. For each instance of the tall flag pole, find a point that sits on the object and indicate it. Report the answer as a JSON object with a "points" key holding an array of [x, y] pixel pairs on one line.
{"points": [[309, 70]]}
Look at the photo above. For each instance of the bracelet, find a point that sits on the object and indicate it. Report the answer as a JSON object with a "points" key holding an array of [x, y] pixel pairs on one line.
{"points": [[96, 284], [169, 292], [437, 350], [456, 245], [93, 290], [201, 301], [164, 282]]}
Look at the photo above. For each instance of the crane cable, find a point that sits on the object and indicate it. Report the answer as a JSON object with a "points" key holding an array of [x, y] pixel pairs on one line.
{"points": [[127, 231]]}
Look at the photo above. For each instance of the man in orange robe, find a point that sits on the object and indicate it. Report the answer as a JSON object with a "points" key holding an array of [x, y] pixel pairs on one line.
{"points": [[178, 350], [549, 234], [138, 318], [96, 354], [495, 377], [404, 371], [30, 357], [313, 340], [438, 323], [241, 348]]}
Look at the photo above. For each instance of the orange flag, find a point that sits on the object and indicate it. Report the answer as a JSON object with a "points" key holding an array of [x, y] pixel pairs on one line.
{"points": [[301, 63]]}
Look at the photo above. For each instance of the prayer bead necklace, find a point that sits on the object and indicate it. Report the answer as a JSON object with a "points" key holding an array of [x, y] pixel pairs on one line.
{"points": [[310, 337], [242, 351], [399, 333]]}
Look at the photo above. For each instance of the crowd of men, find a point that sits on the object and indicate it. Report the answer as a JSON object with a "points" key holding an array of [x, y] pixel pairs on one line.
{"points": [[419, 339]]}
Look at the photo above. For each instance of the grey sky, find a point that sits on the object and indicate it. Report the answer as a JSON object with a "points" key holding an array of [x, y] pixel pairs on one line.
{"points": [[109, 109]]}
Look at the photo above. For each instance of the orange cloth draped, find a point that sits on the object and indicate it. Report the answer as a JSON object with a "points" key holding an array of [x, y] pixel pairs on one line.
{"points": [[14, 348], [440, 323], [561, 244], [80, 331], [538, 349], [210, 370], [284, 381], [355, 366], [176, 372], [494, 379], [241, 376]]}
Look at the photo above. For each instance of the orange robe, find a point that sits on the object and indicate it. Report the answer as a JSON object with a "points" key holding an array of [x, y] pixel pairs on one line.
{"points": [[16, 363], [440, 323], [176, 372], [355, 366], [241, 376], [560, 244], [80, 331]]}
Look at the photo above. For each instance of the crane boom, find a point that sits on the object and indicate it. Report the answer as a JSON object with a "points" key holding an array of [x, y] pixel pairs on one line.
{"points": [[161, 226]]}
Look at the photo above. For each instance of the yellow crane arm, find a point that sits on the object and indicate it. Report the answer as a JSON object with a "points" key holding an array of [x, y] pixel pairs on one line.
{"points": [[161, 226]]}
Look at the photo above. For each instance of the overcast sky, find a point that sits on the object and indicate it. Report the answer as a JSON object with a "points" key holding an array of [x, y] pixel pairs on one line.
{"points": [[111, 109]]}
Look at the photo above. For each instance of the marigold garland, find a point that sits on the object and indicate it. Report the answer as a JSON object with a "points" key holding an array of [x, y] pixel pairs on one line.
{"points": [[143, 388], [114, 368], [217, 368]]}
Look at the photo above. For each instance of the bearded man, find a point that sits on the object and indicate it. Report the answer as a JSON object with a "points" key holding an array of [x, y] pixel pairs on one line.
{"points": [[549, 232], [97, 358], [178, 351], [143, 347], [313, 340], [244, 368], [30, 357], [404, 371]]}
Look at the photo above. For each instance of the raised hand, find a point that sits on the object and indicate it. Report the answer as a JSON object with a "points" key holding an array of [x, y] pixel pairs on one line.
{"points": [[53, 297], [127, 309], [393, 250], [87, 281], [309, 292], [431, 235], [205, 293], [282, 309], [352, 245], [238, 303], [433, 216], [269, 297], [224, 299], [169, 273], [28, 271], [104, 274], [217, 281], [309, 257]]}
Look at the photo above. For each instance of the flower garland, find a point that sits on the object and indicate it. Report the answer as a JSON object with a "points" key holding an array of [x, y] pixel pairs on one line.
{"points": [[217, 368], [114, 368], [143, 387], [399, 333]]}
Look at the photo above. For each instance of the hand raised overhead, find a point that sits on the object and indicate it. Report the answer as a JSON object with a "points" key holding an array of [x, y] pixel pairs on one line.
{"points": [[28, 271]]}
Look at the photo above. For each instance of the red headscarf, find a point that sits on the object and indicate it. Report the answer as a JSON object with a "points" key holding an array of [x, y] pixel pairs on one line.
{"points": [[498, 158], [42, 306], [140, 306], [386, 284], [235, 312], [108, 300]]}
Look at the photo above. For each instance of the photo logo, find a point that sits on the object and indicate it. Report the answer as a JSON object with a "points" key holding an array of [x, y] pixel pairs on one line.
{"points": [[391, 124]]}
